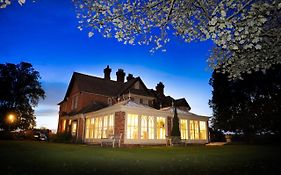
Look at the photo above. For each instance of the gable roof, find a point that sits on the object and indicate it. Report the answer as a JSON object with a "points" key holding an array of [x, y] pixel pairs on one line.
{"points": [[92, 84]]}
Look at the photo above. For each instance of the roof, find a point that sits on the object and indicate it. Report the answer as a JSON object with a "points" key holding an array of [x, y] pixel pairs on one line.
{"points": [[97, 85], [179, 111]]}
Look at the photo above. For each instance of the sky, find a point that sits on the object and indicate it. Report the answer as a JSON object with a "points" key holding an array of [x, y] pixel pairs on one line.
{"points": [[45, 34]]}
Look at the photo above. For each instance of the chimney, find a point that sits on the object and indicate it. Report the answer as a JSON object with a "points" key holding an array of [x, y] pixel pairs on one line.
{"points": [[160, 88], [120, 75], [130, 77], [107, 72]]}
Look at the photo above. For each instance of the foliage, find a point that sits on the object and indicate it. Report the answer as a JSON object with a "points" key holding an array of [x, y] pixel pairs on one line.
{"points": [[251, 105], [236, 27], [175, 129], [5, 3], [20, 92], [61, 137]]}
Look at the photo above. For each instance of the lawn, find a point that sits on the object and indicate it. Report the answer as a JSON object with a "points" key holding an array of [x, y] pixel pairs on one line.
{"points": [[23, 157]]}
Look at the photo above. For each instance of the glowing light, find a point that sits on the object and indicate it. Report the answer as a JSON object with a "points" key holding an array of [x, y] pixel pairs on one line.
{"points": [[11, 118]]}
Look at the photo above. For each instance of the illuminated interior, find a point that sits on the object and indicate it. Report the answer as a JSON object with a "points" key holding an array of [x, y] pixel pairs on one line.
{"points": [[147, 127], [99, 127], [132, 126], [197, 130], [63, 125], [161, 134], [73, 128], [202, 126], [183, 129]]}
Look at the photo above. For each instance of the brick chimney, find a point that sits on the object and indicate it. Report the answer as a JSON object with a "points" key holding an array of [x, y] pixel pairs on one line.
{"points": [[107, 72], [120, 75], [160, 88], [130, 77]]}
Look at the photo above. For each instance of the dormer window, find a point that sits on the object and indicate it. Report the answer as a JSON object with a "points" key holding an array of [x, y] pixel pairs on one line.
{"points": [[109, 101]]}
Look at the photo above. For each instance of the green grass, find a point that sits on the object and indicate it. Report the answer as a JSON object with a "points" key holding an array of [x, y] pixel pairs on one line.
{"points": [[22, 157]]}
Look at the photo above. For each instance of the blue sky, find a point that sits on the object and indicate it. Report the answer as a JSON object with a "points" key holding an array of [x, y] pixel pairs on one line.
{"points": [[45, 34]]}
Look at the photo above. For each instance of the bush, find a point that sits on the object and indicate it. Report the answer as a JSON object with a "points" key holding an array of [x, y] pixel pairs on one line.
{"points": [[61, 137]]}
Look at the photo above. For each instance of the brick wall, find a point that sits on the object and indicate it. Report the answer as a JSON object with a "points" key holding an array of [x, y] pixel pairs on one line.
{"points": [[119, 124]]}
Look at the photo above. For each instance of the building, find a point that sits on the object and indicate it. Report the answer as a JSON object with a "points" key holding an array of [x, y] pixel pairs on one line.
{"points": [[94, 108]]}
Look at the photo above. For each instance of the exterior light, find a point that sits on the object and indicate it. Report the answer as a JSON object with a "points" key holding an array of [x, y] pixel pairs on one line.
{"points": [[11, 118]]}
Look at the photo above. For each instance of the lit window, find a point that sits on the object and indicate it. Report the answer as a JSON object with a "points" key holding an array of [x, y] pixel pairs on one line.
{"points": [[147, 127], [92, 121], [88, 128], [73, 128], [98, 128], [144, 127], [105, 127], [194, 129], [161, 134], [110, 125], [183, 127], [151, 127], [202, 125], [132, 126], [63, 125]]}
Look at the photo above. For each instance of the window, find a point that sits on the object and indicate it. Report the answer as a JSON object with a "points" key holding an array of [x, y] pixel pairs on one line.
{"points": [[111, 124], [74, 103], [91, 128], [161, 128], [183, 128], [88, 120], [105, 127], [109, 101], [147, 127], [141, 101], [98, 127], [132, 126], [202, 126], [63, 125], [144, 127], [151, 127], [73, 128], [194, 129]]}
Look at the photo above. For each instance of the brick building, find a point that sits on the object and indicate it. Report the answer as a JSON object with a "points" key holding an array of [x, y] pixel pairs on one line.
{"points": [[94, 108]]}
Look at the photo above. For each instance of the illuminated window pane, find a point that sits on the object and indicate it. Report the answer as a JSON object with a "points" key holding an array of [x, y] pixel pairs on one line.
{"points": [[183, 127], [63, 125], [91, 128], [111, 125], [151, 127], [98, 127], [202, 130], [194, 129], [105, 127], [144, 128], [161, 134], [87, 128], [132, 126], [73, 128]]}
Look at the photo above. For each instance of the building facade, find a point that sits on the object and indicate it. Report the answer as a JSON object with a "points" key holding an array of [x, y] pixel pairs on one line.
{"points": [[94, 108]]}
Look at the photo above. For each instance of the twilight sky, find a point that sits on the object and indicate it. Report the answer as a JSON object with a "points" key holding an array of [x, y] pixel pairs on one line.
{"points": [[45, 34]]}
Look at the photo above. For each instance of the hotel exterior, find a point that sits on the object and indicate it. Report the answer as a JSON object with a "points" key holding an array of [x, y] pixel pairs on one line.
{"points": [[95, 108]]}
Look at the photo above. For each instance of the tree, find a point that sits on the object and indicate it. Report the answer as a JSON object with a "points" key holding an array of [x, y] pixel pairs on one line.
{"points": [[236, 27], [5, 3], [20, 91], [175, 133], [175, 129], [251, 105]]}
